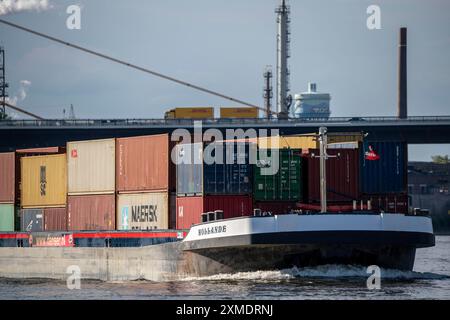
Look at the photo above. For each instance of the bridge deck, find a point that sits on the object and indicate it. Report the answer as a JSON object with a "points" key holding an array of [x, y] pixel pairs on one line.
{"points": [[43, 133]]}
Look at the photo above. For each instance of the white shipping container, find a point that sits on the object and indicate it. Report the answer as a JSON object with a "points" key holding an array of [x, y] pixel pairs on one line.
{"points": [[91, 167], [143, 211]]}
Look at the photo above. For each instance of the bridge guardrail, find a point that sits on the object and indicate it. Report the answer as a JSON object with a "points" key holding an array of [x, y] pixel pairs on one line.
{"points": [[220, 121]]}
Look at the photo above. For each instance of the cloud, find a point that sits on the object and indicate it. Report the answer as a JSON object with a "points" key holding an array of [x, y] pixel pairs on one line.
{"points": [[14, 6], [21, 93]]}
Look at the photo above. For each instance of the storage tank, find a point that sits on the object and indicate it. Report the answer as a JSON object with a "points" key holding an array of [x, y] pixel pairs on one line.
{"points": [[312, 104]]}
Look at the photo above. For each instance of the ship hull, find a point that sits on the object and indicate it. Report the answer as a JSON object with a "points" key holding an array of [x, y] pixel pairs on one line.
{"points": [[237, 245], [279, 242]]}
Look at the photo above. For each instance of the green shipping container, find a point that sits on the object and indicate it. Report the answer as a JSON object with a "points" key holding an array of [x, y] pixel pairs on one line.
{"points": [[284, 185], [8, 217]]}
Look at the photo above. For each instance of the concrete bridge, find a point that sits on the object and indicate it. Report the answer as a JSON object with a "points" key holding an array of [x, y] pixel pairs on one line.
{"points": [[43, 133]]}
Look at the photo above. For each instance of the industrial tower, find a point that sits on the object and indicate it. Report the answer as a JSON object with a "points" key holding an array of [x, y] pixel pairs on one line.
{"points": [[3, 84], [284, 100], [268, 92]]}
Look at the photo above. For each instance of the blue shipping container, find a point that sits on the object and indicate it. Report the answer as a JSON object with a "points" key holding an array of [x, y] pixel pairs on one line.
{"points": [[216, 178], [383, 167], [189, 169]]}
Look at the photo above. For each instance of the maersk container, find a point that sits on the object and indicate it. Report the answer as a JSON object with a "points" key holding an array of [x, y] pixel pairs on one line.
{"points": [[189, 209], [55, 219], [143, 211], [8, 177], [43, 181], [144, 164], [91, 212], [32, 220], [284, 184], [8, 218], [195, 177], [91, 167], [342, 175], [383, 167]]}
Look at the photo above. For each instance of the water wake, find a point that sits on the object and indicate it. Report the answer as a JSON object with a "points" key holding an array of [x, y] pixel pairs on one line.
{"points": [[320, 272]]}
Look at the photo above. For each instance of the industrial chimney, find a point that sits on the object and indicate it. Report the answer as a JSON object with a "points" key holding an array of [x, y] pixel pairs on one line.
{"points": [[402, 76], [283, 99]]}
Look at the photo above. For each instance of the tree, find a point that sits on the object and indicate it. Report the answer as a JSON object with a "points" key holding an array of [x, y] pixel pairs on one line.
{"points": [[441, 159]]}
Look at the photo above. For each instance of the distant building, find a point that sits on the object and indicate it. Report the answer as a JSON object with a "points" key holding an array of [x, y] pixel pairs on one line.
{"points": [[428, 178], [428, 187], [312, 104]]}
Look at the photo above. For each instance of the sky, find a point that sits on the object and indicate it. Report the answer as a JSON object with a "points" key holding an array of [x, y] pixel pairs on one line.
{"points": [[225, 45]]}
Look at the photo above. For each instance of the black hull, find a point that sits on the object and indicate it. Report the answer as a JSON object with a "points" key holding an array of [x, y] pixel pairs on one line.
{"points": [[392, 250], [258, 258]]}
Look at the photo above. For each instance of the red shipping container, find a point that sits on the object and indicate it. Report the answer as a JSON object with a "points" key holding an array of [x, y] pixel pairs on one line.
{"points": [[8, 175], [389, 203], [55, 219], [189, 209], [279, 207], [342, 175], [41, 151], [144, 164], [91, 212]]}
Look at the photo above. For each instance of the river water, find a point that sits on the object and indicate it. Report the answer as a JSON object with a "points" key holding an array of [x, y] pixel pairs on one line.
{"points": [[429, 280]]}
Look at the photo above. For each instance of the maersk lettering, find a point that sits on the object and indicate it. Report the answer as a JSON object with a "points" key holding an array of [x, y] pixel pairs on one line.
{"points": [[212, 230], [144, 213]]}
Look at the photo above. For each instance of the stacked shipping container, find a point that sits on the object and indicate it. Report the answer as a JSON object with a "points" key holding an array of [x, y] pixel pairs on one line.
{"points": [[278, 191], [189, 209], [221, 182], [383, 167], [43, 189], [153, 193], [91, 185], [342, 175], [8, 191], [145, 178], [384, 175]]}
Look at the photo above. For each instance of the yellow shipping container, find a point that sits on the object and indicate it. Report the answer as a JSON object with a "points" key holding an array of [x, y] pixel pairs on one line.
{"points": [[192, 113], [43, 181], [239, 112], [304, 142]]}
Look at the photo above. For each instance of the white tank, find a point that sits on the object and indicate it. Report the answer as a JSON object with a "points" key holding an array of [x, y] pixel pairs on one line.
{"points": [[312, 104]]}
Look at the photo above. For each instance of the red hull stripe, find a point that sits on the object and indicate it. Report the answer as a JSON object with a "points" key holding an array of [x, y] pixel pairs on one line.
{"points": [[128, 235], [13, 236], [104, 235]]}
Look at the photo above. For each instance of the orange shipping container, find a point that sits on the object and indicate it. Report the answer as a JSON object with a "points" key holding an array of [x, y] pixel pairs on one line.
{"points": [[55, 219], [144, 164], [8, 176], [91, 212], [91, 167], [43, 181]]}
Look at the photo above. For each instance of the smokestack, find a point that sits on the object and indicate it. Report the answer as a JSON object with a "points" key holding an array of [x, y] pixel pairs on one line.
{"points": [[402, 76]]}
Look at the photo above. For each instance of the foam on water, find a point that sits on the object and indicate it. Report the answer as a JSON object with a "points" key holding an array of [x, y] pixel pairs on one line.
{"points": [[324, 272]]}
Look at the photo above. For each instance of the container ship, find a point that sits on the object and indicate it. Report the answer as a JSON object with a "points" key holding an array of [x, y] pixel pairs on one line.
{"points": [[130, 208]]}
